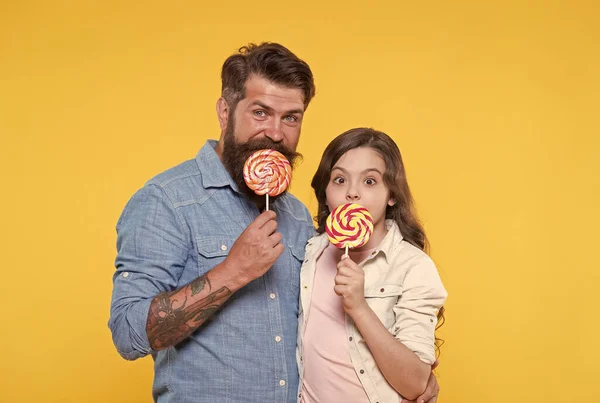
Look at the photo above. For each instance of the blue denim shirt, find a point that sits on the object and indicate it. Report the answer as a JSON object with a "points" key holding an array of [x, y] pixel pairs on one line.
{"points": [[179, 226]]}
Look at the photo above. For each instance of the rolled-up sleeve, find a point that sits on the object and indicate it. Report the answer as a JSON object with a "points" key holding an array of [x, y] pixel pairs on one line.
{"points": [[152, 250], [423, 294]]}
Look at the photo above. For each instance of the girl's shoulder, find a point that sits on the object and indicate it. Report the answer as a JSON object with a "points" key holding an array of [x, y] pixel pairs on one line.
{"points": [[317, 242], [406, 255], [399, 249]]}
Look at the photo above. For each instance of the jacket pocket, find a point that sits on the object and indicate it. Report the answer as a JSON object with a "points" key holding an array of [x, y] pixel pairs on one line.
{"points": [[382, 300]]}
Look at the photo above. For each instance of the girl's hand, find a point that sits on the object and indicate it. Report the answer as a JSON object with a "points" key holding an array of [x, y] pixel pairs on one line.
{"points": [[350, 285]]}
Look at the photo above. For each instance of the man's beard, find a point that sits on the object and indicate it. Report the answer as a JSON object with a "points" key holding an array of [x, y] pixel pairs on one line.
{"points": [[235, 155]]}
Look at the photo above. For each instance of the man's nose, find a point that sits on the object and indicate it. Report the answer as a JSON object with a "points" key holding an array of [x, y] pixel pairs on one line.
{"points": [[274, 131]]}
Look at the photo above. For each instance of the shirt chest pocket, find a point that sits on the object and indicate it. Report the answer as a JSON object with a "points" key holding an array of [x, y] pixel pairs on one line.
{"points": [[212, 250], [382, 300]]}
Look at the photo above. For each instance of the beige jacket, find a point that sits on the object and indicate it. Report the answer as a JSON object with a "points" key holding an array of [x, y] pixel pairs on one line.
{"points": [[402, 287]]}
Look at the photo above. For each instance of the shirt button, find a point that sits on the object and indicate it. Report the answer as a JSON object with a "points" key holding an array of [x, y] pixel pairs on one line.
{"points": [[362, 371], [350, 338], [277, 339], [126, 274], [382, 290], [223, 247], [282, 383], [272, 296]]}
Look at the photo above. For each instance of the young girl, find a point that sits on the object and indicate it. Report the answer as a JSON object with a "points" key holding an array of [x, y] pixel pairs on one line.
{"points": [[367, 322]]}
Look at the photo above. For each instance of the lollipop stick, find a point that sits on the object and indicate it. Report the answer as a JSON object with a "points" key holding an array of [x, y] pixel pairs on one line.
{"points": [[346, 253], [267, 209]]}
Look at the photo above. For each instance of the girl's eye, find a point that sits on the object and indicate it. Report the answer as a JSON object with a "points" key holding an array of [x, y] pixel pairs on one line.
{"points": [[339, 180], [370, 181]]}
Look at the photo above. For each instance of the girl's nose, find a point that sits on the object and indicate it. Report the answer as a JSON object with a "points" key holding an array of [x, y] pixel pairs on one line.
{"points": [[352, 195]]}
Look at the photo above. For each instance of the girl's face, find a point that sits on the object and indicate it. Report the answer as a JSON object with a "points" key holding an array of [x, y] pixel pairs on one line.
{"points": [[357, 177]]}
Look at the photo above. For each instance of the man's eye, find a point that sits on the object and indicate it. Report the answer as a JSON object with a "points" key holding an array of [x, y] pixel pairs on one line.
{"points": [[260, 113], [291, 119]]}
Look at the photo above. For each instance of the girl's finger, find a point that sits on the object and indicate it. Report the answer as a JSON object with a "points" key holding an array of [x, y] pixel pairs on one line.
{"points": [[339, 290]]}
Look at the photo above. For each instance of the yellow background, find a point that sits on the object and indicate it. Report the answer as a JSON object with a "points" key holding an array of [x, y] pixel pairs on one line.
{"points": [[493, 104]]}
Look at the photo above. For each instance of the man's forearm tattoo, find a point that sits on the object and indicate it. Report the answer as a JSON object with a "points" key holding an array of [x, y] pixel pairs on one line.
{"points": [[172, 318]]}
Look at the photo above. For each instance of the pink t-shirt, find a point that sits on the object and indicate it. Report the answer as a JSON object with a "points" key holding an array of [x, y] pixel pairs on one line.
{"points": [[329, 375]]}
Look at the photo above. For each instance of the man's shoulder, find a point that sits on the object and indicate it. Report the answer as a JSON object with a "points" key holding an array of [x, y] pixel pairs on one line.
{"points": [[290, 199], [181, 183], [174, 174], [291, 205]]}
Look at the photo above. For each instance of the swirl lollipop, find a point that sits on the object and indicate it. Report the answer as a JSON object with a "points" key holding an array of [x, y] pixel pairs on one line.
{"points": [[267, 172], [349, 226]]}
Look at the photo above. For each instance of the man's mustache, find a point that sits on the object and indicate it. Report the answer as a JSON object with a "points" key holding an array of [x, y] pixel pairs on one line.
{"points": [[266, 143]]}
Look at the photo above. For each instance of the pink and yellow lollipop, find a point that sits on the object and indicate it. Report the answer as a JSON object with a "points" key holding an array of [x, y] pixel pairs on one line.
{"points": [[267, 172], [349, 226]]}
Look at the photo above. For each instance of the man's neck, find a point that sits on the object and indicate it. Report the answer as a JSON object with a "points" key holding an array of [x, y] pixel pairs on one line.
{"points": [[219, 148]]}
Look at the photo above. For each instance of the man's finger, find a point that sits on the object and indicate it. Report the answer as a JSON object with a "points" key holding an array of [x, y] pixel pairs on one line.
{"points": [[264, 218], [269, 228], [275, 238], [278, 249]]}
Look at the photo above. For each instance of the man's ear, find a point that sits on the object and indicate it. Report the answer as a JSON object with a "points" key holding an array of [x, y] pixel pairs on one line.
{"points": [[223, 113]]}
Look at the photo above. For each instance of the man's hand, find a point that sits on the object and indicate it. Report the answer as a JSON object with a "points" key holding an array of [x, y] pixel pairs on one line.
{"points": [[256, 249], [431, 391]]}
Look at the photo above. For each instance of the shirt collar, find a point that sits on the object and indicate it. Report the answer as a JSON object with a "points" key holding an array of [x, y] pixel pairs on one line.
{"points": [[391, 240], [213, 171]]}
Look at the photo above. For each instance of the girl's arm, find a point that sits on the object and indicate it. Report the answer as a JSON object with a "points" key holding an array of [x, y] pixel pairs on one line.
{"points": [[401, 367]]}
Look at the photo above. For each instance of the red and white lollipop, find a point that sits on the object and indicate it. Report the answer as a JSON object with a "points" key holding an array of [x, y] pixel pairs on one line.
{"points": [[267, 172], [349, 226]]}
